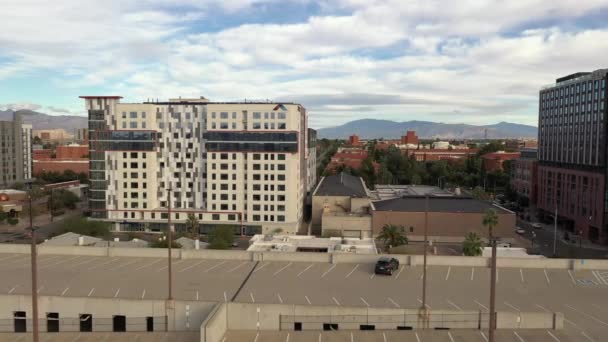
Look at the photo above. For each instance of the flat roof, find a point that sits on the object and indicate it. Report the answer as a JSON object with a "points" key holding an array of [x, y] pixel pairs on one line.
{"points": [[100, 97], [453, 204], [341, 184]]}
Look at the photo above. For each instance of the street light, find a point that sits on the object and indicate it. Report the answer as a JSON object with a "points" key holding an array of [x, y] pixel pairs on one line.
{"points": [[426, 226], [492, 318], [34, 272]]}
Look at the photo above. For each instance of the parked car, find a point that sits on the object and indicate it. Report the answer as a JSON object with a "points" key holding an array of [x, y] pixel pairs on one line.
{"points": [[536, 225], [386, 266], [520, 230]]}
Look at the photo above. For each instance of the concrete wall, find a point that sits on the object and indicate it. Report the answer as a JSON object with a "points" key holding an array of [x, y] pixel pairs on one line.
{"points": [[183, 315], [443, 224], [295, 257], [342, 222], [215, 254], [248, 316], [215, 325], [335, 204], [71, 250]]}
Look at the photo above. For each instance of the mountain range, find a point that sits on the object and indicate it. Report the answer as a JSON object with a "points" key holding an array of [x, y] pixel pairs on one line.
{"points": [[376, 129], [45, 121]]}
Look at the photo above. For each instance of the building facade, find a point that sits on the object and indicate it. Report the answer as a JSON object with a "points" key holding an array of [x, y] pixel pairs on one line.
{"points": [[494, 161], [15, 151], [311, 162], [524, 175], [572, 153], [238, 164]]}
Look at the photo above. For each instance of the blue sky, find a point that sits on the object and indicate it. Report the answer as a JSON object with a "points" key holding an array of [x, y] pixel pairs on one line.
{"points": [[471, 61]]}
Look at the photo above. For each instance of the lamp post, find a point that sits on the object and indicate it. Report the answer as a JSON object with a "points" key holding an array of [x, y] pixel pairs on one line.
{"points": [[555, 232], [169, 242], [34, 272], [492, 318], [426, 225]]}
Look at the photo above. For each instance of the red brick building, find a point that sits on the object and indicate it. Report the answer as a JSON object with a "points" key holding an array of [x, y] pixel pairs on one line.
{"points": [[494, 161], [72, 151], [524, 176], [349, 157], [353, 140], [60, 165], [410, 138], [42, 154]]}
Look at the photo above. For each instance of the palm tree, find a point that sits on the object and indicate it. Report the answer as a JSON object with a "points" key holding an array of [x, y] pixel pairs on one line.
{"points": [[471, 246], [392, 235], [192, 225], [490, 220]]}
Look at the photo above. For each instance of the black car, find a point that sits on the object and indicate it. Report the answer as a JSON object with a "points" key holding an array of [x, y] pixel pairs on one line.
{"points": [[386, 266]]}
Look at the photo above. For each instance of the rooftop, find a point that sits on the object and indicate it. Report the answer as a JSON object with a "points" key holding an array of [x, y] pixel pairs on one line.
{"points": [[437, 204], [308, 243], [342, 184], [388, 191]]}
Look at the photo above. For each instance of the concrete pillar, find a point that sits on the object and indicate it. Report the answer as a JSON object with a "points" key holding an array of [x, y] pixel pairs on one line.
{"points": [[80, 240], [197, 244], [170, 314]]}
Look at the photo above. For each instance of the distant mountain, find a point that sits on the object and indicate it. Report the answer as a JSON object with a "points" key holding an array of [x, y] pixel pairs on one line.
{"points": [[375, 129], [45, 121]]}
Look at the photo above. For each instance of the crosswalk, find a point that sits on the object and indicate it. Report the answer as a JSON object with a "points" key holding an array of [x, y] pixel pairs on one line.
{"points": [[601, 277]]}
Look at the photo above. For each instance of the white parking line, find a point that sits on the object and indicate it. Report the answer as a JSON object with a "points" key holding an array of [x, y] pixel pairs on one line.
{"points": [[287, 339], [364, 302], [59, 262], [521, 273], [64, 291], [352, 339], [143, 294], [554, 337], [308, 300], [512, 306], [237, 267], [196, 294], [472, 273], [420, 301], [454, 305], [279, 271], [104, 263], [519, 337], [329, 270], [117, 292], [126, 264], [497, 274], [483, 306], [588, 315], [85, 262], [351, 272], [587, 336], [13, 289], [399, 273], [91, 292], [259, 268], [599, 277], [417, 338], [304, 270], [215, 266], [256, 337], [447, 276], [250, 294], [565, 319], [191, 266], [571, 277], [547, 276], [384, 336], [372, 276], [450, 336], [280, 299], [336, 301], [484, 336], [12, 256], [150, 264], [319, 337], [226, 297], [394, 303]]}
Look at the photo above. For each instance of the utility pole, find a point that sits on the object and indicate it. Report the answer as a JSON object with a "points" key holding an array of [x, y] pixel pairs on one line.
{"points": [[51, 205], [34, 273], [170, 242], [426, 226], [492, 318], [555, 232]]}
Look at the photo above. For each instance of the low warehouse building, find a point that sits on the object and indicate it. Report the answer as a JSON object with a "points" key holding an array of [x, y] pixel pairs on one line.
{"points": [[449, 218]]}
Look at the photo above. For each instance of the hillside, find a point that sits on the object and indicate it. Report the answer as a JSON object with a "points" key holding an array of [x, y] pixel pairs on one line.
{"points": [[45, 121], [375, 129]]}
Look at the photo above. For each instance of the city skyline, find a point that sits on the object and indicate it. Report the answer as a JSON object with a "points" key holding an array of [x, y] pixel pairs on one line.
{"points": [[343, 60]]}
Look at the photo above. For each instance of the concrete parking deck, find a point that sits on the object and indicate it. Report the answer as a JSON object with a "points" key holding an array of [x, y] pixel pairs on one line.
{"points": [[581, 295], [102, 337]]}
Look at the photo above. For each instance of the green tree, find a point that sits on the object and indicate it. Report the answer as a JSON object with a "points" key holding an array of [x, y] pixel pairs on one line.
{"points": [[393, 235], [490, 220], [3, 216], [479, 193], [80, 225], [221, 237], [471, 246], [162, 242], [192, 225], [12, 221]]}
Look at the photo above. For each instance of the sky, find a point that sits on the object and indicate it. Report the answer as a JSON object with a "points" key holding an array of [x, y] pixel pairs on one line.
{"points": [[467, 61]]}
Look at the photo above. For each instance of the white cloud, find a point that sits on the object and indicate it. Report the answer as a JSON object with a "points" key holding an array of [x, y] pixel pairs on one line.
{"points": [[18, 106]]}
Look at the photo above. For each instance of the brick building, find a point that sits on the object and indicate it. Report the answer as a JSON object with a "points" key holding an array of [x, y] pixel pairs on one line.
{"points": [[572, 151], [42, 154], [426, 154], [72, 151], [61, 165], [495, 161], [409, 138], [353, 140], [524, 175]]}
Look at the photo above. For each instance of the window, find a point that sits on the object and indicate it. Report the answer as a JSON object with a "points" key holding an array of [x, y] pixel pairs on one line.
{"points": [[281, 218], [257, 115], [119, 323], [86, 322], [223, 125], [281, 125], [281, 167], [224, 115], [257, 125], [281, 157], [281, 198], [150, 320], [132, 124], [215, 217], [256, 217], [133, 115], [52, 322], [19, 319], [281, 177], [282, 115]]}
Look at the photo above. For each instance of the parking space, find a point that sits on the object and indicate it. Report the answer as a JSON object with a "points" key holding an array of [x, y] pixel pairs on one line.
{"points": [[580, 295]]}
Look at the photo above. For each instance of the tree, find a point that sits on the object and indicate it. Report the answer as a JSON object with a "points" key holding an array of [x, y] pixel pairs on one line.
{"points": [[12, 221], [81, 225], [393, 235], [490, 220], [3, 216], [192, 225], [221, 237], [471, 246], [162, 242], [479, 193]]}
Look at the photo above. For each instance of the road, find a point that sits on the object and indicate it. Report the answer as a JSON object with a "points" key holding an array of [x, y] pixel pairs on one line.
{"points": [[581, 295]]}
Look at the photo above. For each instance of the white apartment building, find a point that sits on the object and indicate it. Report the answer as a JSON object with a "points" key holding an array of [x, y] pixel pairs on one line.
{"points": [[242, 164], [311, 162]]}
